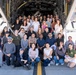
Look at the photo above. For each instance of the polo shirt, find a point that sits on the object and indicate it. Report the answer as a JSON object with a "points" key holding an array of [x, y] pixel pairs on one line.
{"points": [[71, 53], [51, 41], [41, 42]]}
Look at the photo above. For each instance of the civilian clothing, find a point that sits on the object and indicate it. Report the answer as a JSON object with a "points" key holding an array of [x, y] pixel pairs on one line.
{"points": [[44, 26], [21, 34], [46, 62], [58, 61], [70, 59], [0, 42], [41, 42], [71, 53], [24, 55], [31, 21], [53, 25], [21, 21], [10, 60], [16, 40], [67, 43], [7, 31], [47, 52], [5, 40], [24, 44], [17, 51], [25, 27], [58, 29], [33, 54], [51, 41], [58, 40], [49, 24], [17, 26], [32, 40], [36, 26], [41, 53], [60, 52], [9, 48], [1, 55], [35, 61], [29, 33], [45, 35]]}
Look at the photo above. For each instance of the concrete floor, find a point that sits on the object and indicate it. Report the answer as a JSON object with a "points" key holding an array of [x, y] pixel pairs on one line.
{"points": [[60, 70], [8, 70], [52, 70]]}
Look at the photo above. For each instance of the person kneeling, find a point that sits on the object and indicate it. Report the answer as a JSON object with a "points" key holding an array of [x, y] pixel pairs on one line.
{"points": [[33, 55], [24, 58], [70, 56], [9, 50], [60, 54], [47, 55]]}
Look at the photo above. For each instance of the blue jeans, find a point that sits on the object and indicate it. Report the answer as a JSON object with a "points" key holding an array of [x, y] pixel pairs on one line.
{"points": [[60, 61], [17, 51], [46, 62], [8, 61], [35, 61]]}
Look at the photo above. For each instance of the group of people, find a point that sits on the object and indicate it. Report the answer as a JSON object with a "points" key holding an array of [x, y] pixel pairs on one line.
{"points": [[36, 39]]}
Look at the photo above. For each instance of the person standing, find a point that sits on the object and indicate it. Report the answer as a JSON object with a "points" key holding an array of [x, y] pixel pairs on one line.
{"points": [[58, 28], [41, 45], [69, 41], [17, 42], [36, 25]]}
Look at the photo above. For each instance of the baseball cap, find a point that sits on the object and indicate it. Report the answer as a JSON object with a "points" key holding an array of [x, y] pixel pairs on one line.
{"points": [[10, 38]]}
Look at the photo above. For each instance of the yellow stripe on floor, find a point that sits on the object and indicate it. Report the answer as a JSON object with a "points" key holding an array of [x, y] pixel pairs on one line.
{"points": [[39, 69]]}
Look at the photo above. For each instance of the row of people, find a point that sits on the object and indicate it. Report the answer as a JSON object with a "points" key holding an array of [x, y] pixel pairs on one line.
{"points": [[43, 51], [29, 31], [26, 56], [53, 23]]}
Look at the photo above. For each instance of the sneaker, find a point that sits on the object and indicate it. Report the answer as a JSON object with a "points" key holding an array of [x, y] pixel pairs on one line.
{"points": [[28, 66], [52, 62], [57, 64], [0, 66], [22, 60], [24, 66], [48, 64], [68, 64], [62, 64]]}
